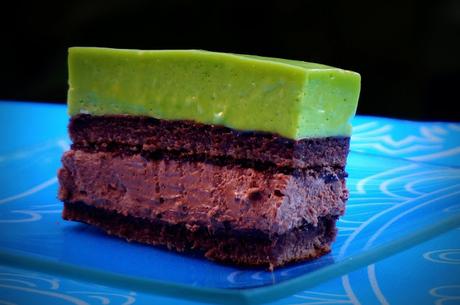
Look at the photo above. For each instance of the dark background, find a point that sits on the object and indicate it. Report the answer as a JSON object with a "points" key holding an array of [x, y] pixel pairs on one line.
{"points": [[407, 52]]}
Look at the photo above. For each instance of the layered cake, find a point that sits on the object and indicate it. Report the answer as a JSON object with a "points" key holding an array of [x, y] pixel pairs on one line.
{"points": [[239, 158]]}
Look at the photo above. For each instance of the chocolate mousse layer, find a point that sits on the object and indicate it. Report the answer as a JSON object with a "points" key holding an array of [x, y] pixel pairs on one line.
{"points": [[250, 247], [187, 138], [202, 194]]}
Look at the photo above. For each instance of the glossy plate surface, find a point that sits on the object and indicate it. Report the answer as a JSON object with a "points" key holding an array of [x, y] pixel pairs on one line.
{"points": [[401, 193]]}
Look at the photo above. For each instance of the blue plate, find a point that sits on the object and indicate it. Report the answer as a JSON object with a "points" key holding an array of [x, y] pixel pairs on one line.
{"points": [[400, 195]]}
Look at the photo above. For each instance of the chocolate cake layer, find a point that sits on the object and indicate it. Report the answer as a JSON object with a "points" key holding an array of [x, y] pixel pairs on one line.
{"points": [[202, 194], [250, 247], [186, 138]]}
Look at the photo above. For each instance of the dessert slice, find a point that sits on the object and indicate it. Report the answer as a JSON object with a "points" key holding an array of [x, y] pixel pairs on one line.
{"points": [[238, 157]]}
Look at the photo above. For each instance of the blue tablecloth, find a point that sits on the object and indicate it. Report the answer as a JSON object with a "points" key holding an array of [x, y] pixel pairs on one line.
{"points": [[427, 156]]}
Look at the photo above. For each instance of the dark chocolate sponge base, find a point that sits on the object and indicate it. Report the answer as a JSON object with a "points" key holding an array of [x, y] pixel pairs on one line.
{"points": [[226, 246]]}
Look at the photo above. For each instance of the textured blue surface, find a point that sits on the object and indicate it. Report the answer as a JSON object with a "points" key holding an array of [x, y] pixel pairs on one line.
{"points": [[404, 178], [425, 274]]}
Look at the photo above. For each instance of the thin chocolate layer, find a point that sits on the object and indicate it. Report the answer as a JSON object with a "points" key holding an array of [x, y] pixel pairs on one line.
{"points": [[143, 134], [226, 245], [202, 194]]}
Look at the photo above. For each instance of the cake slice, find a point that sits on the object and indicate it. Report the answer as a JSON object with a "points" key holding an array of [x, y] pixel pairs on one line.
{"points": [[241, 158]]}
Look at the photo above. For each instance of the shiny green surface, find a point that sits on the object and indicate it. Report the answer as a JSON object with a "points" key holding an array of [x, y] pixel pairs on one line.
{"points": [[292, 98]]}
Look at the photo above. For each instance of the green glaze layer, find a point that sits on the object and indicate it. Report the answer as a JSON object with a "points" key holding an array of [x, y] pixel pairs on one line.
{"points": [[294, 99]]}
